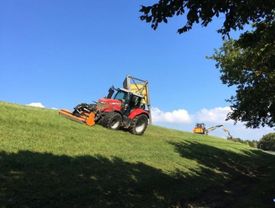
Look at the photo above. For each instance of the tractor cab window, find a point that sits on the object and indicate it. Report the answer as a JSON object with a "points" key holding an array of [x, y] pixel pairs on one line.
{"points": [[200, 125], [135, 101], [120, 95]]}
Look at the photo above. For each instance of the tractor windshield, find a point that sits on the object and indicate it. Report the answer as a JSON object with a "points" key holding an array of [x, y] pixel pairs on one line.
{"points": [[120, 95]]}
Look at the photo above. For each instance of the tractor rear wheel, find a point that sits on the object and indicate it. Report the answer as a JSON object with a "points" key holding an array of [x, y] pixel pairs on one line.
{"points": [[112, 120], [139, 125]]}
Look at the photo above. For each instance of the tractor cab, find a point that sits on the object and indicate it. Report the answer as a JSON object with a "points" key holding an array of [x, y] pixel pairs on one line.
{"points": [[200, 125], [128, 99]]}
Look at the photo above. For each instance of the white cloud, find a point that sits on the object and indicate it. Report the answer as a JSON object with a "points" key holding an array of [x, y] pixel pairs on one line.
{"points": [[176, 116], [36, 104], [181, 119], [214, 115], [217, 115]]}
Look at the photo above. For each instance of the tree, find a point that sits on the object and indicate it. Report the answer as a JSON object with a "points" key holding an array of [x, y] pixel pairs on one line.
{"points": [[267, 142], [237, 12], [247, 63]]}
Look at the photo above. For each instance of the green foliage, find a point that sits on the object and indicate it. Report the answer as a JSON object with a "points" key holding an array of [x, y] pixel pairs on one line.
{"points": [[49, 161], [267, 142], [252, 143], [237, 13], [249, 64]]}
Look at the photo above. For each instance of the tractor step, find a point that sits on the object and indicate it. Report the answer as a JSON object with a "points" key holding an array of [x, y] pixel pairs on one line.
{"points": [[87, 119]]}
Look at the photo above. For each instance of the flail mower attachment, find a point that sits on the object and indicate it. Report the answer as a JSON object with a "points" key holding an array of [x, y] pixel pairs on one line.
{"points": [[87, 118]]}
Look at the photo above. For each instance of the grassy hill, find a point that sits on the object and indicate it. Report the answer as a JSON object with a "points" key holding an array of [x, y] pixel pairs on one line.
{"points": [[49, 161]]}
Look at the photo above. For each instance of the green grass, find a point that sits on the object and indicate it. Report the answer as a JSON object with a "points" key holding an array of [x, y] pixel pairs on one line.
{"points": [[49, 161]]}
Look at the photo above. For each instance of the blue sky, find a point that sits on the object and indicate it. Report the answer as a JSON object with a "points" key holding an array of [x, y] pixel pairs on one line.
{"points": [[61, 53]]}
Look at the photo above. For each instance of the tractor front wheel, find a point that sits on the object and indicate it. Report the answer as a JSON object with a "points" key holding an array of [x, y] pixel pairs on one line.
{"points": [[112, 120], [139, 125]]}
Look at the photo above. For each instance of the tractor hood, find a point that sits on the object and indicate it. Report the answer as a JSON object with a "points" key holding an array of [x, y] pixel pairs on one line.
{"points": [[109, 105], [109, 101]]}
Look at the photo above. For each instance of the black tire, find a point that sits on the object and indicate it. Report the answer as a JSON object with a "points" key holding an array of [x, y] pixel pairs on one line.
{"points": [[139, 124], [111, 120]]}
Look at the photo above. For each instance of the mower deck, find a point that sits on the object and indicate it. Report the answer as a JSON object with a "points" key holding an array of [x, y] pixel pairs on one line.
{"points": [[87, 119]]}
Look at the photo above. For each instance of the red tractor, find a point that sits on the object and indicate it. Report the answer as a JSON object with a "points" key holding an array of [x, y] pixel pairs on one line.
{"points": [[120, 109]]}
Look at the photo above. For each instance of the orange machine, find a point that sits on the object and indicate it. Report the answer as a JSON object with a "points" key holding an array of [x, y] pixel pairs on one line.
{"points": [[201, 129], [88, 118]]}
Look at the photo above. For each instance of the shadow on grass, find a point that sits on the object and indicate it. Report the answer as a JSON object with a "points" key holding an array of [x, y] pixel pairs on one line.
{"points": [[32, 179], [234, 180]]}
